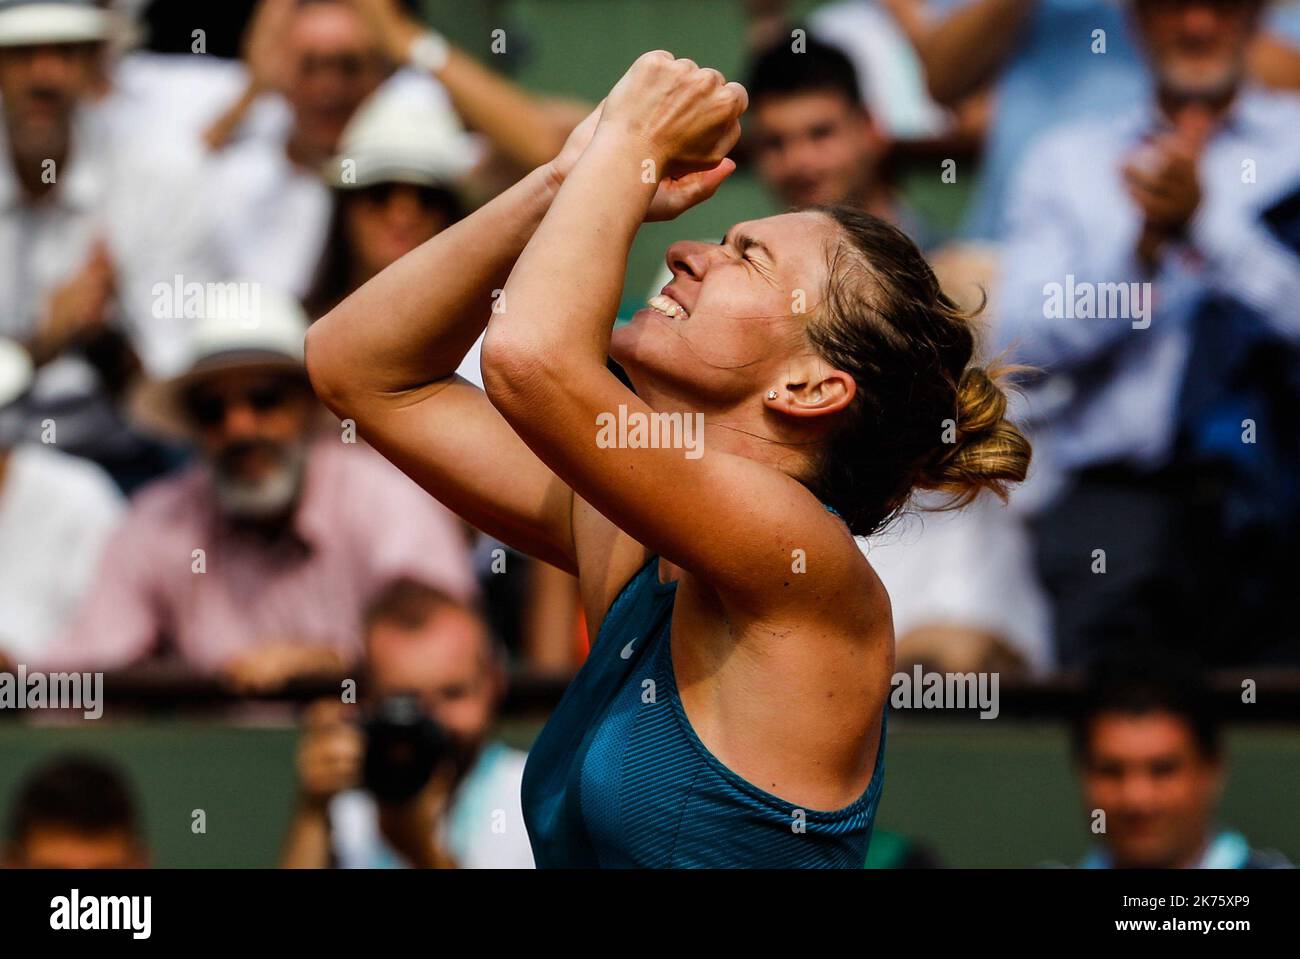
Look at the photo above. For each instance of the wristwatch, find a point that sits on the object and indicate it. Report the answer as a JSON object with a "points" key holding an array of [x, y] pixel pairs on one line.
{"points": [[429, 51]]}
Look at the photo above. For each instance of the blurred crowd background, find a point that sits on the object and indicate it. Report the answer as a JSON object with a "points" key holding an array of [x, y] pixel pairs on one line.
{"points": [[185, 186]]}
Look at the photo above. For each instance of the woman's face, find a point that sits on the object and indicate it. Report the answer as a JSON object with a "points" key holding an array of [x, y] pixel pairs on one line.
{"points": [[386, 221], [734, 313]]}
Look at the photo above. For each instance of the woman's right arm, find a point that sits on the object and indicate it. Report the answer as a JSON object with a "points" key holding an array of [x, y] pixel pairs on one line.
{"points": [[386, 358]]}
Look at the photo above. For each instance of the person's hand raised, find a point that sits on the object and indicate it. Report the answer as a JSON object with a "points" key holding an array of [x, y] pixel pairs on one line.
{"points": [[674, 195], [686, 116]]}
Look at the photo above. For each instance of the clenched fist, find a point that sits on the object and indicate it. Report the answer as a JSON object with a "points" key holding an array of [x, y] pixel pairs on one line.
{"points": [[687, 116]]}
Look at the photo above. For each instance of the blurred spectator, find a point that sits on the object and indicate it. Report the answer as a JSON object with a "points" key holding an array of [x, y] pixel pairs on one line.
{"points": [[1275, 58], [1039, 54], [394, 185], [174, 97], [88, 225], [75, 812], [426, 649], [1149, 753], [814, 140], [888, 71], [533, 608], [522, 129], [1050, 61], [55, 513], [257, 561], [325, 60], [1152, 272]]}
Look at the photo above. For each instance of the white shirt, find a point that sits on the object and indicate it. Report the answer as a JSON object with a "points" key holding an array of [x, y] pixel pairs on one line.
{"points": [[273, 215], [483, 829], [890, 75], [142, 199], [972, 567], [154, 96], [56, 512]]}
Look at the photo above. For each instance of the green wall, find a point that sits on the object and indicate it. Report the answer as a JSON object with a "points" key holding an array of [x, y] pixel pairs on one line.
{"points": [[980, 794]]}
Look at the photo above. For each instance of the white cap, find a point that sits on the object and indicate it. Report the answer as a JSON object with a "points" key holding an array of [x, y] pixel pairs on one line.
{"points": [[31, 22], [265, 331], [397, 138]]}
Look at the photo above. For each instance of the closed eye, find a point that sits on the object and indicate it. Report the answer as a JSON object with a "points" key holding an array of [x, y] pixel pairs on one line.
{"points": [[744, 243]]}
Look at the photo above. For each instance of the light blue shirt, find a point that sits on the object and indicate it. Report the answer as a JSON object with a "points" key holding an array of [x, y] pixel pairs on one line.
{"points": [[1052, 75], [1111, 385], [1227, 850], [482, 829], [1285, 22]]}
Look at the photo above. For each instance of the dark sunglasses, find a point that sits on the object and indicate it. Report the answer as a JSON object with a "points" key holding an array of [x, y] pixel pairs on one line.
{"points": [[429, 197], [207, 407]]}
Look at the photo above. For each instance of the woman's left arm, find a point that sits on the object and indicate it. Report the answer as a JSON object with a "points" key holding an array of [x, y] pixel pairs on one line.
{"points": [[544, 356]]}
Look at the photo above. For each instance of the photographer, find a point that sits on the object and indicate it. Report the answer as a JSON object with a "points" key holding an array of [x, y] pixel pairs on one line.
{"points": [[411, 777]]}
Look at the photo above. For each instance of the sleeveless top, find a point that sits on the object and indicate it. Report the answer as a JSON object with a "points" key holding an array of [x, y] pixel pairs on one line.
{"points": [[618, 778]]}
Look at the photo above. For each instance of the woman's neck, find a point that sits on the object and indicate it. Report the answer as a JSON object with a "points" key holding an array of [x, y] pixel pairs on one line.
{"points": [[747, 429]]}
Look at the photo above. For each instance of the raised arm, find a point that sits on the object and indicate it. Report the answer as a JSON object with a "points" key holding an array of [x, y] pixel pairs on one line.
{"points": [[264, 54], [962, 50], [544, 359], [386, 358], [517, 124]]}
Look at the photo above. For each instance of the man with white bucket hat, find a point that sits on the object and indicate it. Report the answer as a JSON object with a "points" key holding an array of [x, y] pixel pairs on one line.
{"points": [[257, 561], [88, 223]]}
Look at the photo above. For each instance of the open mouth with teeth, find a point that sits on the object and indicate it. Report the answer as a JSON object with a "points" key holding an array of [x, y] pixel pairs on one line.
{"points": [[666, 305]]}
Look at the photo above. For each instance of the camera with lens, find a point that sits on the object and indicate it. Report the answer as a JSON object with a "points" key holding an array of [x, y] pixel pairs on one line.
{"points": [[404, 745]]}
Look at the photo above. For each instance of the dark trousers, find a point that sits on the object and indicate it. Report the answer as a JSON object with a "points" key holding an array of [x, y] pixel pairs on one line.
{"points": [[1174, 576]]}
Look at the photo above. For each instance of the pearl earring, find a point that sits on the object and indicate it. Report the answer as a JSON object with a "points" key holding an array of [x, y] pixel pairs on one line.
{"points": [[771, 394]]}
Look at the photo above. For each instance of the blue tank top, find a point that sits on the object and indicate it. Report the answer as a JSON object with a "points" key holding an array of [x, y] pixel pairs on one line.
{"points": [[618, 778]]}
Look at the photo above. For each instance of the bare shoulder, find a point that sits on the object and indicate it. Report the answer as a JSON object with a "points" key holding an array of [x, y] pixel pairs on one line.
{"points": [[832, 597]]}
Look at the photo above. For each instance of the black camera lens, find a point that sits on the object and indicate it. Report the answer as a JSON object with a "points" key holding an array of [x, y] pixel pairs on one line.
{"points": [[404, 744]]}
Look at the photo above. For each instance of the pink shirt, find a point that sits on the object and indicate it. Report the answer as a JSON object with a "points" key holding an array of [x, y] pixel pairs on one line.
{"points": [[359, 523]]}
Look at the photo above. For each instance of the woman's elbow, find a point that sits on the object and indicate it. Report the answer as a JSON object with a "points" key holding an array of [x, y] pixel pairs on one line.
{"points": [[327, 378], [512, 363]]}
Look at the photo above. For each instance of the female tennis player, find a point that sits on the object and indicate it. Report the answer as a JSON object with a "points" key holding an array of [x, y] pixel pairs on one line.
{"points": [[731, 712]]}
